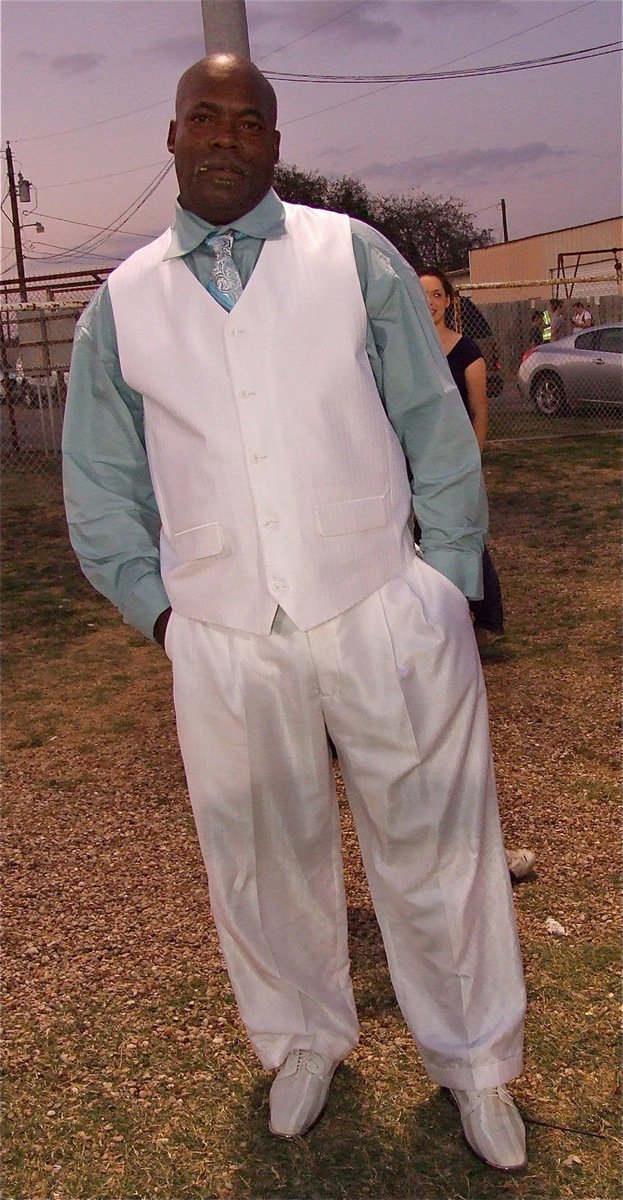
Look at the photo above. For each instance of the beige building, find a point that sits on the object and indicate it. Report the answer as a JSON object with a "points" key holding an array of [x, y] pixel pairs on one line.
{"points": [[578, 253]]}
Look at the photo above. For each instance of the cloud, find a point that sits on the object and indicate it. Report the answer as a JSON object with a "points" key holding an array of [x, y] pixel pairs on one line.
{"points": [[184, 48], [274, 25], [76, 64], [461, 166], [450, 10], [362, 28]]}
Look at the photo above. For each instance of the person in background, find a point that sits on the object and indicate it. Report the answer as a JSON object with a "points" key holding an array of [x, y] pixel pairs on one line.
{"points": [[468, 370], [536, 328], [557, 320], [245, 394], [582, 317]]}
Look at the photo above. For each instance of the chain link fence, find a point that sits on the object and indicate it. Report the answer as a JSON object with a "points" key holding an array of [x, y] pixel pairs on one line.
{"points": [[547, 377], [540, 384]]}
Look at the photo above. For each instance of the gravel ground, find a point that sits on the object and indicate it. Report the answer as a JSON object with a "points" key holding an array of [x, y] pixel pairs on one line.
{"points": [[117, 1009]]}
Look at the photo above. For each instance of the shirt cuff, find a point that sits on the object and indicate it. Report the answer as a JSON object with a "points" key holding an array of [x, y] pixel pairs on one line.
{"points": [[463, 569], [144, 604]]}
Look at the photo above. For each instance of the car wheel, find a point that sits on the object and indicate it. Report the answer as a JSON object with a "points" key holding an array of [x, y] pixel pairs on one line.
{"points": [[548, 394]]}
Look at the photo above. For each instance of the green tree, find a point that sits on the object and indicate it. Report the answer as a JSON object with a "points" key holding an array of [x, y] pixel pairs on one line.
{"points": [[425, 229], [430, 230], [302, 187]]}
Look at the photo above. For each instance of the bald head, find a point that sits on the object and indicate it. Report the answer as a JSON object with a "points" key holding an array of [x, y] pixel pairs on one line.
{"points": [[224, 137], [227, 66]]}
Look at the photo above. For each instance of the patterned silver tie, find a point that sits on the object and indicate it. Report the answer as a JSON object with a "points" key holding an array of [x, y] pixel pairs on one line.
{"points": [[225, 283]]}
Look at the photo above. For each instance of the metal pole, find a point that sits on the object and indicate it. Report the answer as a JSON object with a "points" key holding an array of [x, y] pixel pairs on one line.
{"points": [[225, 27], [21, 275]]}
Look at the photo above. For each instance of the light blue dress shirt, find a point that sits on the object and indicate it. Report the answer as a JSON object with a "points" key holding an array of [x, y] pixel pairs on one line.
{"points": [[111, 508]]}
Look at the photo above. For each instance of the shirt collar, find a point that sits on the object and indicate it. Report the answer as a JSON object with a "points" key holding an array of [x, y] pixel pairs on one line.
{"points": [[266, 220]]}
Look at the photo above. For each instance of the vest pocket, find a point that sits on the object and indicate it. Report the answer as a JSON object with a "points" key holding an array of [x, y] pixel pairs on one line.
{"points": [[200, 542], [351, 516]]}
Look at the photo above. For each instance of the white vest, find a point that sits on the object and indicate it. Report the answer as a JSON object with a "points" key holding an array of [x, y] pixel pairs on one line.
{"points": [[278, 477]]}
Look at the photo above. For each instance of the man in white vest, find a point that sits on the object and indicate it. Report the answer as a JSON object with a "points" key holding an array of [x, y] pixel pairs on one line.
{"points": [[245, 394]]}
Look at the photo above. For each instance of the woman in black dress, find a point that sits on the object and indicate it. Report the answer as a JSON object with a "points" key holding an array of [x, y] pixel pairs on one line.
{"points": [[469, 372]]}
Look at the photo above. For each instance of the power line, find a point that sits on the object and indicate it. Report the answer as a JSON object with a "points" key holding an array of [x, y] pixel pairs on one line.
{"points": [[519, 33], [525, 64], [332, 21], [67, 255], [46, 187], [385, 86], [158, 103], [118, 222], [41, 137], [87, 225]]}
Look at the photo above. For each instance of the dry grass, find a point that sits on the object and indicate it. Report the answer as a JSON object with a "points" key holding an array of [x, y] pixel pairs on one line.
{"points": [[127, 1073]]}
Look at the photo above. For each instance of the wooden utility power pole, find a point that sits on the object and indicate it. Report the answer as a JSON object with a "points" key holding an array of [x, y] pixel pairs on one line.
{"points": [[17, 233], [225, 27], [504, 225]]}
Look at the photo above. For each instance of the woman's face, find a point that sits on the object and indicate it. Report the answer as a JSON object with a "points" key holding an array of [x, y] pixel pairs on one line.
{"points": [[438, 302]]}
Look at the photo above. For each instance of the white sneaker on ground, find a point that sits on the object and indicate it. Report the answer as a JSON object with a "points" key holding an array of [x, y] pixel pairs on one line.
{"points": [[520, 863], [493, 1127], [299, 1092]]}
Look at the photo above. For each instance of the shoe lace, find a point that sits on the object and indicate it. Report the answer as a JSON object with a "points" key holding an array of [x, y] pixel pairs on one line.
{"points": [[310, 1060]]}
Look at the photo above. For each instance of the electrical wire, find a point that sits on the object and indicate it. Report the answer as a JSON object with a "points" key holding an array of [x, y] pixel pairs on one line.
{"points": [[383, 88], [87, 225], [67, 256], [41, 137], [46, 187], [158, 103], [302, 37], [518, 33], [528, 64], [91, 244]]}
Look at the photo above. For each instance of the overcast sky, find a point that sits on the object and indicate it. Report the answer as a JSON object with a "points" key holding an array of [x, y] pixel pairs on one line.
{"points": [[88, 87]]}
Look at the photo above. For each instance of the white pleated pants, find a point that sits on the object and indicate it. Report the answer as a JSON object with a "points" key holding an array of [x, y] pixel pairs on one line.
{"points": [[397, 682]]}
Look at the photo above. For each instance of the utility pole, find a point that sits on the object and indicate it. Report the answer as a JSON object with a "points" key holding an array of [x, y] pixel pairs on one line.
{"points": [[17, 234], [225, 27], [504, 225]]}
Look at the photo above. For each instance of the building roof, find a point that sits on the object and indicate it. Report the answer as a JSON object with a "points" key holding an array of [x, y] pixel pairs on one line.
{"points": [[548, 232]]}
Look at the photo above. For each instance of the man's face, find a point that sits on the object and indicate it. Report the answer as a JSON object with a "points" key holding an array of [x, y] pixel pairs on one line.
{"points": [[224, 141]]}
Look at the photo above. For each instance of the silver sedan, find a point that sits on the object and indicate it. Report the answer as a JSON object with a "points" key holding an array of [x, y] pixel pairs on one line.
{"points": [[584, 368]]}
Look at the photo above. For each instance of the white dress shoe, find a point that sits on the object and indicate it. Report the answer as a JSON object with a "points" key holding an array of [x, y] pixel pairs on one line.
{"points": [[299, 1092], [493, 1127]]}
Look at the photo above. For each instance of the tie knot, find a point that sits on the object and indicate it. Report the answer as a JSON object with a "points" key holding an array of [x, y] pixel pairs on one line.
{"points": [[221, 239]]}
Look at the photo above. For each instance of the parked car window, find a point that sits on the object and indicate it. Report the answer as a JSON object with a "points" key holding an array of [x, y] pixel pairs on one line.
{"points": [[610, 340], [585, 341]]}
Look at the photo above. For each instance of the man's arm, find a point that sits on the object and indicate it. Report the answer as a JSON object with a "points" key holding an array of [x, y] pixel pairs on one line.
{"points": [[426, 411], [112, 514]]}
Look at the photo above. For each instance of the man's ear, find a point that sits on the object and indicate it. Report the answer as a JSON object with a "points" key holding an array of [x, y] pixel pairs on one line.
{"points": [[276, 144], [171, 136]]}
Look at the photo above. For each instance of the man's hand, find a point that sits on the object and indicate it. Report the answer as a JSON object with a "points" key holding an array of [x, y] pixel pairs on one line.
{"points": [[160, 626]]}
